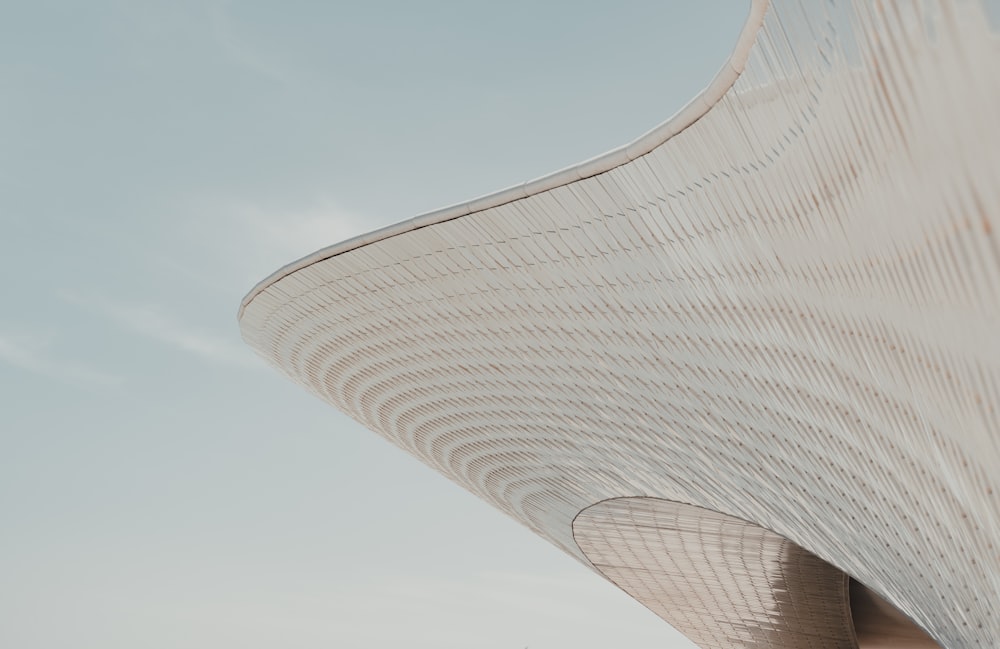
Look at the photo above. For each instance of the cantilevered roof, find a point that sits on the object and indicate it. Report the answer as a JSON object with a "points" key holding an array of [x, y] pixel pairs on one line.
{"points": [[778, 310]]}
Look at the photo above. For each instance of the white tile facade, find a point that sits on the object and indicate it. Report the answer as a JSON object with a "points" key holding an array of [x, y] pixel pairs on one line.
{"points": [[787, 312]]}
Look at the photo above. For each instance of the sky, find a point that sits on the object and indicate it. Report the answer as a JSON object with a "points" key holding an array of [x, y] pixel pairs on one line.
{"points": [[160, 486]]}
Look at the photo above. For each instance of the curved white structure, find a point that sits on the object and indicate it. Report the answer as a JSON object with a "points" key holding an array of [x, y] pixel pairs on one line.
{"points": [[780, 310], [720, 581]]}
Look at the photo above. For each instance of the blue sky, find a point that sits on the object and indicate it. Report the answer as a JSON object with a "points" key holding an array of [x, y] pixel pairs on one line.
{"points": [[159, 485]]}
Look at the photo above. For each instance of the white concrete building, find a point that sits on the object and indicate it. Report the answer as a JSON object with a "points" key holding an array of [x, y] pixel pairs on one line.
{"points": [[737, 365]]}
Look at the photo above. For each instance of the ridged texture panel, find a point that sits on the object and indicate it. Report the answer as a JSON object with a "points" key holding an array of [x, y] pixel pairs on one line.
{"points": [[787, 313], [720, 581]]}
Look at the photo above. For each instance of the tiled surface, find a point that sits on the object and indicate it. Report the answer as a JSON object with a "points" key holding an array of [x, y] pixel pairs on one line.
{"points": [[720, 581], [786, 313]]}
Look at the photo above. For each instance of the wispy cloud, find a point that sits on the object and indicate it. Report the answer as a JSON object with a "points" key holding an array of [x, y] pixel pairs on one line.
{"points": [[239, 51], [222, 249], [245, 241], [32, 353], [156, 323], [297, 232]]}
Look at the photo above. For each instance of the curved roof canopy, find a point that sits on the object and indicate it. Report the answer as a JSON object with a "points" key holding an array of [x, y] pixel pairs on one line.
{"points": [[779, 308]]}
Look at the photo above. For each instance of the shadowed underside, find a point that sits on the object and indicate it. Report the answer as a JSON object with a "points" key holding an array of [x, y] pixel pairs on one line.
{"points": [[724, 582], [780, 307], [719, 580], [878, 625]]}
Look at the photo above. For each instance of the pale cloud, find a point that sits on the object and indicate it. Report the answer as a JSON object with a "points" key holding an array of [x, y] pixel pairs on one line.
{"points": [[298, 233], [155, 322], [237, 49], [33, 353], [243, 242]]}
